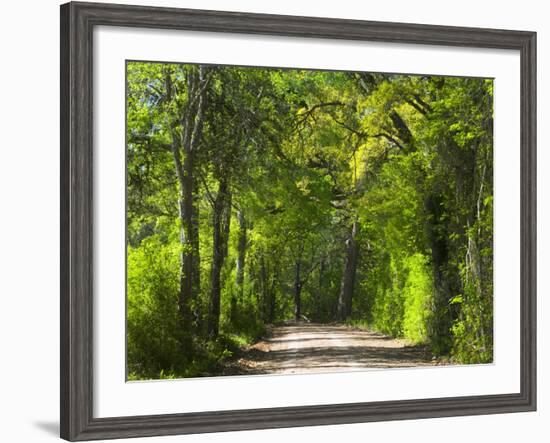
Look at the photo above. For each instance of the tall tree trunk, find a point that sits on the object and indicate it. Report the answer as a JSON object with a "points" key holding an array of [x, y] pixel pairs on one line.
{"points": [[220, 233], [226, 219], [438, 241], [348, 278], [318, 297], [189, 238], [238, 295], [185, 145], [241, 252], [272, 294], [264, 276], [297, 291]]}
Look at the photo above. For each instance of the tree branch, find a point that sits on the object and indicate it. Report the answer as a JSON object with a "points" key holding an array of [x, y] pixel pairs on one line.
{"points": [[209, 195], [309, 112]]}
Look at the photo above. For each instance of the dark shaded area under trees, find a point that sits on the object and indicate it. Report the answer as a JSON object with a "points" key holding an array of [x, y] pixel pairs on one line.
{"points": [[260, 195]]}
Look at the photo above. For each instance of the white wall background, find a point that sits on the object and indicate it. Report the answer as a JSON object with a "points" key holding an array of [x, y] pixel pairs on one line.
{"points": [[29, 188]]}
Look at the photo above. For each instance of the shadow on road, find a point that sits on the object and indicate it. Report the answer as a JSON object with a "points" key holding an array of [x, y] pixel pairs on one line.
{"points": [[301, 348]]}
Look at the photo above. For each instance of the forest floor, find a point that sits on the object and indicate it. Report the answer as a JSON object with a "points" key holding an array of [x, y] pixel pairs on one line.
{"points": [[309, 347]]}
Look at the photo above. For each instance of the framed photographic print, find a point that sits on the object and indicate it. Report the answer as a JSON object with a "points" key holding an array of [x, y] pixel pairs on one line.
{"points": [[273, 221]]}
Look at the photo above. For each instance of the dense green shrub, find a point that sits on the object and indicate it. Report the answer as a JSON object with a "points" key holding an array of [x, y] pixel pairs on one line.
{"points": [[153, 330]]}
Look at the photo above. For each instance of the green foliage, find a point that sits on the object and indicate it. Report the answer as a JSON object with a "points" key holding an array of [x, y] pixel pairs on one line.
{"points": [[152, 318], [418, 298]]}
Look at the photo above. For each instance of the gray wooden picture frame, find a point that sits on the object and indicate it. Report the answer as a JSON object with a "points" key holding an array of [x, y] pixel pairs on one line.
{"points": [[77, 24]]}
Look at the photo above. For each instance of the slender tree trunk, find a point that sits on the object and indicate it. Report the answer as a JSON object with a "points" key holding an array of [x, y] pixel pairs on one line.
{"points": [[348, 278], [473, 277], [437, 238], [318, 297], [254, 289], [241, 253], [226, 219], [220, 234], [272, 294], [215, 284], [264, 274], [297, 291], [237, 295]]}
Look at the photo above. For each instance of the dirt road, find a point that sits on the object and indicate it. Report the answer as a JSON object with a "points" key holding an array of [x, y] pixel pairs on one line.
{"points": [[309, 347]]}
